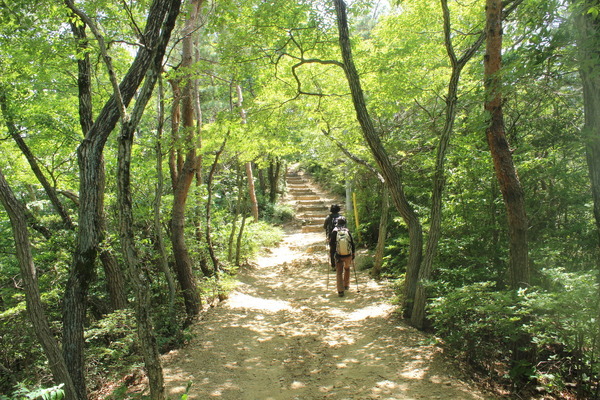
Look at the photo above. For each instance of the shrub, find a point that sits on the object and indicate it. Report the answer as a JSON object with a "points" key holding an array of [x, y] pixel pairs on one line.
{"points": [[565, 328], [23, 393], [479, 323]]}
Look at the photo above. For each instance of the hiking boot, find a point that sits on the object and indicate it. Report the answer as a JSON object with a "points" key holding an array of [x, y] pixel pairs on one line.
{"points": [[341, 294]]}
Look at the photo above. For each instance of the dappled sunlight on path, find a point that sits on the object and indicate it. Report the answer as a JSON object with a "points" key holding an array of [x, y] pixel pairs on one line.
{"points": [[285, 334]]}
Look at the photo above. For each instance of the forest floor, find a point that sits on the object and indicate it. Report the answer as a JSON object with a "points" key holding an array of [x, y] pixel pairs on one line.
{"points": [[285, 334]]}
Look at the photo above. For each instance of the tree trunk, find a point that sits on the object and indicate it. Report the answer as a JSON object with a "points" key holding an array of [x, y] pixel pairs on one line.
{"points": [[158, 229], [115, 280], [439, 179], [137, 273], [238, 246], [392, 177], [140, 281], [252, 191], [130, 254], [185, 172], [274, 175], [160, 22], [238, 210], [35, 307], [383, 223], [249, 173], [506, 173], [209, 244], [182, 174], [588, 30]]}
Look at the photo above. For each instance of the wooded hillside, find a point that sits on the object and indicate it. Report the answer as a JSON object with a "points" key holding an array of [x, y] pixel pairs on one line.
{"points": [[145, 143]]}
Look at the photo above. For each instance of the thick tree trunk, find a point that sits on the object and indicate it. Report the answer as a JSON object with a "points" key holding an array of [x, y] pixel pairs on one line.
{"points": [[506, 173], [160, 22], [35, 307], [115, 279], [388, 171]]}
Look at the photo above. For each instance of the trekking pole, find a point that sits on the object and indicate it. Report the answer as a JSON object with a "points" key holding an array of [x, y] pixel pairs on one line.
{"points": [[328, 272], [355, 276]]}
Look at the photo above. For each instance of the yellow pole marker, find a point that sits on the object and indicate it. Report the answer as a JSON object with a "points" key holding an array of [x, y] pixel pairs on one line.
{"points": [[356, 215]]}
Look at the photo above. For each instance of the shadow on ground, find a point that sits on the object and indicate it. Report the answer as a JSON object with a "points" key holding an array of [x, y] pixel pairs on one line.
{"points": [[285, 334]]}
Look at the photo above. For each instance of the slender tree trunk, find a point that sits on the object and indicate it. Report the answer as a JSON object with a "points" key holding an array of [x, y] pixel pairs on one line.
{"points": [[506, 173], [588, 45], [252, 191], [383, 223], [209, 181], [138, 277], [238, 210], [439, 179], [158, 229], [238, 247], [130, 254], [274, 175], [249, 173], [185, 173], [115, 279], [392, 177], [137, 273], [35, 307]]}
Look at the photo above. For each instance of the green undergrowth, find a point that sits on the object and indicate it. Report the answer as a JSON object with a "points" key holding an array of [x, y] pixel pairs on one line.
{"points": [[542, 338], [112, 347]]}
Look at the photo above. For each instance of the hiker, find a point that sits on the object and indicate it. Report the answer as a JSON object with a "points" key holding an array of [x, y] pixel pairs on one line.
{"points": [[329, 225], [341, 241]]}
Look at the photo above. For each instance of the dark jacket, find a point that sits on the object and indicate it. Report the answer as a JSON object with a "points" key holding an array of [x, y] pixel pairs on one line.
{"points": [[333, 241], [329, 223]]}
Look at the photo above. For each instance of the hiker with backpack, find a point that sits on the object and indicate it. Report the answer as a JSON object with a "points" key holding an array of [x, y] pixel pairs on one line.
{"points": [[329, 225], [341, 241]]}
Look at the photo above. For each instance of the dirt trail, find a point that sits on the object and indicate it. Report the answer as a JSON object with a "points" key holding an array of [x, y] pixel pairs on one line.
{"points": [[284, 335]]}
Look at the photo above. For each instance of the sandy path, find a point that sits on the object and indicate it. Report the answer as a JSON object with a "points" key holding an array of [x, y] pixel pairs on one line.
{"points": [[283, 335]]}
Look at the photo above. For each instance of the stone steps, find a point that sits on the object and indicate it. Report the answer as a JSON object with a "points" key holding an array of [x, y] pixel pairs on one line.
{"points": [[311, 207]]}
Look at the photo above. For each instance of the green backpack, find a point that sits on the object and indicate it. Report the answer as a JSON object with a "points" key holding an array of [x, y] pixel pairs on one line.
{"points": [[343, 243]]}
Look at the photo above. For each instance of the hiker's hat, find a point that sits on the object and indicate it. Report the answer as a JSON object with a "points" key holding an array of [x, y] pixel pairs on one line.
{"points": [[334, 208], [341, 221]]}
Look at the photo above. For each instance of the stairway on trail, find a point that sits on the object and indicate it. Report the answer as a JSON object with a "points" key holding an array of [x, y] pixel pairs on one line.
{"points": [[310, 202]]}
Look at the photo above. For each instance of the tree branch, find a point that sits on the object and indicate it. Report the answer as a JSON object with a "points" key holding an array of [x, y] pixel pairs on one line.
{"points": [[103, 50], [354, 157]]}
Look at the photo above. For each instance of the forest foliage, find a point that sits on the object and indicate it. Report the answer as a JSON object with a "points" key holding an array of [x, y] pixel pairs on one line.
{"points": [[268, 91]]}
